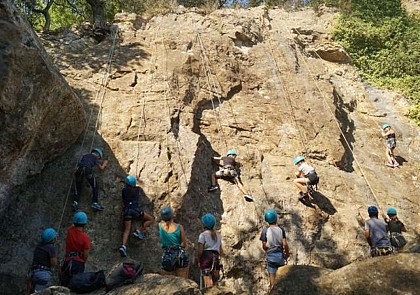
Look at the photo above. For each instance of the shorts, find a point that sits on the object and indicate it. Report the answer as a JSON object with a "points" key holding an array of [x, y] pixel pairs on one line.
{"points": [[312, 179], [225, 172], [209, 261], [274, 261], [391, 143], [133, 212], [41, 279], [173, 258]]}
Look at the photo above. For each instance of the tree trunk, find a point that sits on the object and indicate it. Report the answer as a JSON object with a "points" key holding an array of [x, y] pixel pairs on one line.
{"points": [[98, 13]]}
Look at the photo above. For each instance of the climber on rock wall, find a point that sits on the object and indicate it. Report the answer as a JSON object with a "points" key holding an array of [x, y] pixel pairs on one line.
{"points": [[306, 177], [231, 170], [131, 210], [85, 171], [391, 143]]}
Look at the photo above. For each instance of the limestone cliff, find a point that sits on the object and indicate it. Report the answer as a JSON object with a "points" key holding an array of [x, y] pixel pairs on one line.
{"points": [[171, 92]]}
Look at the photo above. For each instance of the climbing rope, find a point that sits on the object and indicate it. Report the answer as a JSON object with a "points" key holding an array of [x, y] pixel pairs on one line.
{"points": [[104, 82]]}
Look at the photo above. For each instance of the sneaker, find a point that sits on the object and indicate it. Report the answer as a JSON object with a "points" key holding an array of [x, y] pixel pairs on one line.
{"points": [[248, 198], [123, 251], [389, 165], [97, 206], [396, 164], [138, 234], [213, 188], [75, 206]]}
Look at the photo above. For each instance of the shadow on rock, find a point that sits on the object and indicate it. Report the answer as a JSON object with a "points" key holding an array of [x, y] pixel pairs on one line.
{"points": [[323, 203]]}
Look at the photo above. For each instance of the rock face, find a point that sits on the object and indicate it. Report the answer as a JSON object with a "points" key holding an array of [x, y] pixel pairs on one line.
{"points": [[40, 116], [185, 87]]}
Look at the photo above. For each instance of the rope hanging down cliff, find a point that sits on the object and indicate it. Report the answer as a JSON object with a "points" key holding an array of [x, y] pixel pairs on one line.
{"points": [[100, 93]]}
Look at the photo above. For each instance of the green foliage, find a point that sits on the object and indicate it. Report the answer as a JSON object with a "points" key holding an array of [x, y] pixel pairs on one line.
{"points": [[384, 44]]}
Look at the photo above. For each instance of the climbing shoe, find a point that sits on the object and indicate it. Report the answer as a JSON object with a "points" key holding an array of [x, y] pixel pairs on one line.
{"points": [[138, 234], [213, 188], [248, 198], [96, 206], [123, 251], [75, 206]]}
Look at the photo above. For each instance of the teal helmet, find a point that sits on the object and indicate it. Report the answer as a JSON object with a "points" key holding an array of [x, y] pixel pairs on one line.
{"points": [[270, 216], [372, 210], [208, 220], [298, 159], [80, 218], [130, 180], [166, 213], [232, 152], [386, 125], [48, 235], [391, 211], [99, 151]]}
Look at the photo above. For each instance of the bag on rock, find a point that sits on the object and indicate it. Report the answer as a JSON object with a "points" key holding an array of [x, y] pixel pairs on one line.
{"points": [[123, 274], [86, 282]]}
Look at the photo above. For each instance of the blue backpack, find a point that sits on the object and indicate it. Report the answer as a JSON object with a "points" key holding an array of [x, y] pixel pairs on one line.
{"points": [[86, 282]]}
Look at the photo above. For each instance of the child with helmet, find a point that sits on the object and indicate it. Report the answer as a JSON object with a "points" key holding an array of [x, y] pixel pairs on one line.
{"points": [[391, 143], [306, 176], [44, 261], [274, 243], [175, 259], [85, 171], [77, 248], [395, 227], [209, 251], [229, 169], [131, 210]]}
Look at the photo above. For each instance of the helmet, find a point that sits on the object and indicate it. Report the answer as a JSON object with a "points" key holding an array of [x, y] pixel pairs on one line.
{"points": [[372, 209], [385, 125], [391, 211], [208, 220], [166, 213], [270, 216], [298, 159], [48, 235], [99, 151], [80, 218], [232, 152], [130, 180]]}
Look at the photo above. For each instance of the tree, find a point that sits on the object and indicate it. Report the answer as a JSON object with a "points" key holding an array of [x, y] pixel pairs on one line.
{"points": [[37, 7], [98, 13]]}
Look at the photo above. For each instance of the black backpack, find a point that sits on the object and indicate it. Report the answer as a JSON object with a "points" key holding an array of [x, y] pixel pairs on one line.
{"points": [[86, 282], [123, 274]]}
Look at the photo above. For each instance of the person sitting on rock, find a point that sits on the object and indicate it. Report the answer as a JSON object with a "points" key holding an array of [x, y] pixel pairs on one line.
{"points": [[391, 143], [85, 171], [275, 245], [175, 259], [43, 263], [209, 251], [131, 210], [77, 248], [395, 227], [306, 177], [376, 233], [230, 169]]}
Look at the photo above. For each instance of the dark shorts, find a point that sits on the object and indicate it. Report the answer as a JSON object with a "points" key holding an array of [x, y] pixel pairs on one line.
{"points": [[173, 258], [313, 179], [210, 260], [227, 172], [133, 212], [391, 143]]}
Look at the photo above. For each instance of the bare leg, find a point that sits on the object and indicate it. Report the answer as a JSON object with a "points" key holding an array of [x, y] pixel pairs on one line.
{"points": [[208, 281], [148, 221], [389, 156], [213, 179], [126, 232], [182, 272], [166, 273], [272, 278], [240, 186], [301, 184]]}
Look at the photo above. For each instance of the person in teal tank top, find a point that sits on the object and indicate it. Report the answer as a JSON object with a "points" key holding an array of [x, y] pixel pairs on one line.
{"points": [[175, 259]]}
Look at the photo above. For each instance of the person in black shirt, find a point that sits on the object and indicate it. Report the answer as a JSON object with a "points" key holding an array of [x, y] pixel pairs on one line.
{"points": [[44, 261], [131, 210]]}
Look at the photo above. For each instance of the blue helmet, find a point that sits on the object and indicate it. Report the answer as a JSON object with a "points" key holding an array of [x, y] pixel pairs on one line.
{"points": [[130, 180], [391, 211], [166, 213], [298, 159], [372, 210], [232, 152], [208, 220], [48, 235], [386, 125], [270, 216], [99, 151], [80, 218]]}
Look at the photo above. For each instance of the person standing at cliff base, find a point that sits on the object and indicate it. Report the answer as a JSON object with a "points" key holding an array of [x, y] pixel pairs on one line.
{"points": [[376, 233]]}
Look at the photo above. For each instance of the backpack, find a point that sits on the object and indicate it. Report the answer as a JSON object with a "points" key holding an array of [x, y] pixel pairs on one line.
{"points": [[85, 282], [123, 274], [397, 240]]}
